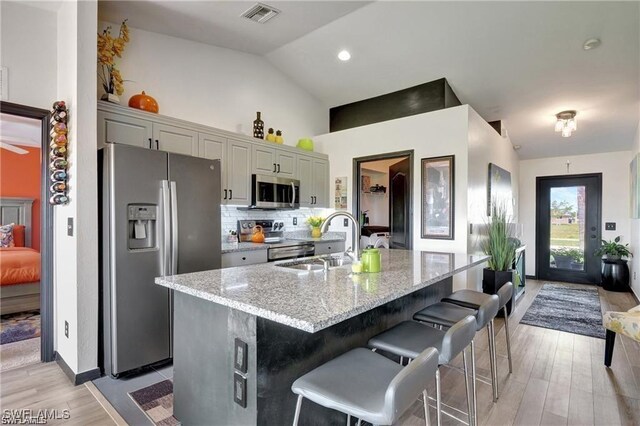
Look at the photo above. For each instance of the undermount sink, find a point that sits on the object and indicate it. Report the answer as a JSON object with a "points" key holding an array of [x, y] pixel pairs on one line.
{"points": [[315, 264]]}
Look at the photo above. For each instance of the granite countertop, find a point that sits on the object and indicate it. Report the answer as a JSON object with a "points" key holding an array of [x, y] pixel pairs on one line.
{"points": [[319, 300]]}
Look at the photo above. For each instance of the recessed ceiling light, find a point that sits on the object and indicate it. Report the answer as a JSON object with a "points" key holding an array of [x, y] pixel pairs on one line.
{"points": [[592, 43], [344, 55]]}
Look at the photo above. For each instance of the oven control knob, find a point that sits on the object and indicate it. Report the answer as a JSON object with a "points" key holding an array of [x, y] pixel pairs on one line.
{"points": [[244, 226]]}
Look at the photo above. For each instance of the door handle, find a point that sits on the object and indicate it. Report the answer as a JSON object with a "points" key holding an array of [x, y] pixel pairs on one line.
{"points": [[174, 229], [166, 228], [225, 194], [274, 167], [293, 197], [593, 237], [231, 194], [278, 168]]}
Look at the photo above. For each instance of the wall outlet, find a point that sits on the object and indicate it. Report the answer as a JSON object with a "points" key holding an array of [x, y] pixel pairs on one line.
{"points": [[345, 222], [66, 329], [295, 221]]}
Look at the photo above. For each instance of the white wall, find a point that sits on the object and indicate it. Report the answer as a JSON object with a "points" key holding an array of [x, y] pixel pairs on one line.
{"points": [[217, 87], [431, 134], [76, 257], [28, 49], [614, 167], [635, 232]]}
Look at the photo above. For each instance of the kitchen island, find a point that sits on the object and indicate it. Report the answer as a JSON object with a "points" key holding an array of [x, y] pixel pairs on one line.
{"points": [[290, 323]]}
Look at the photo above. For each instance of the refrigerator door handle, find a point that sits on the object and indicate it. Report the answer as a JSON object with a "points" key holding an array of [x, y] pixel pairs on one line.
{"points": [[166, 231], [174, 229]]}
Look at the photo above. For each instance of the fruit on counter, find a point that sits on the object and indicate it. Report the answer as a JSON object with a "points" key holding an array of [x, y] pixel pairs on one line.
{"points": [[144, 102], [279, 138], [306, 144], [270, 136]]}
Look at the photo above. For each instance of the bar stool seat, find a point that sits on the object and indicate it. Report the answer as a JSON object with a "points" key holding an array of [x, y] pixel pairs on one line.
{"points": [[408, 339], [366, 385], [467, 298], [446, 314]]}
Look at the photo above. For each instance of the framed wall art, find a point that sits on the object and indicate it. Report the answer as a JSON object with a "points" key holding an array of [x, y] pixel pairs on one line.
{"points": [[438, 197]]}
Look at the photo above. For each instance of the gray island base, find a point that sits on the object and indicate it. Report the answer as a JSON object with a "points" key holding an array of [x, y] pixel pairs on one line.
{"points": [[290, 324]]}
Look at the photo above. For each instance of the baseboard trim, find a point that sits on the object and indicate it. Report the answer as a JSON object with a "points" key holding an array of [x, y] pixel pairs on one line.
{"points": [[530, 277], [79, 378]]}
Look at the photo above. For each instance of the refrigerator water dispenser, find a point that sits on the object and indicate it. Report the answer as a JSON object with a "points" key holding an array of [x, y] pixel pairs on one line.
{"points": [[142, 226]]}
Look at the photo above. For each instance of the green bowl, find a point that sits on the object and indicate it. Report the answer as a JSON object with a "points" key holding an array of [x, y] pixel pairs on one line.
{"points": [[306, 144]]}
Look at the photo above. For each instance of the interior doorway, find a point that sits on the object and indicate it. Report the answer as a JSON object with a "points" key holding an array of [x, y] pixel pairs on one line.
{"points": [[568, 228], [26, 286], [383, 203]]}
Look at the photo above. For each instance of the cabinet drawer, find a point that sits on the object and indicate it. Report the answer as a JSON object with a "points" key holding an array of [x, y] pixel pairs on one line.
{"points": [[243, 258], [329, 247]]}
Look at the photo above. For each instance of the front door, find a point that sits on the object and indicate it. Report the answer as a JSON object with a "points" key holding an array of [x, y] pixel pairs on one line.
{"points": [[568, 228]]}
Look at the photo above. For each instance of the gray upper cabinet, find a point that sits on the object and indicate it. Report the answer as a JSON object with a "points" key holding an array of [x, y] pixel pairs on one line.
{"points": [[117, 128], [240, 156], [264, 160], [238, 172], [320, 178], [175, 139], [304, 163]]}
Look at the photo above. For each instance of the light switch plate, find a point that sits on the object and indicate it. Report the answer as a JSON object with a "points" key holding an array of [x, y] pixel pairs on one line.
{"points": [[609, 226], [295, 221], [240, 390], [70, 226], [240, 356]]}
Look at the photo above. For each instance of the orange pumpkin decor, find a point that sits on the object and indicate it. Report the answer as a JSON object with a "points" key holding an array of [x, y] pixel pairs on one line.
{"points": [[144, 102]]}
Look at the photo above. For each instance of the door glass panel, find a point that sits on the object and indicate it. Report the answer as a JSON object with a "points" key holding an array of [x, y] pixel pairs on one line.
{"points": [[567, 213]]}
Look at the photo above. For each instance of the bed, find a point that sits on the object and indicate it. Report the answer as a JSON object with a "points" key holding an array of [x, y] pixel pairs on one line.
{"points": [[20, 265]]}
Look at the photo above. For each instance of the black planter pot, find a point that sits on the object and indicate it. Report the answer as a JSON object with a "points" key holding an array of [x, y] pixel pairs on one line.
{"points": [[615, 275], [493, 280]]}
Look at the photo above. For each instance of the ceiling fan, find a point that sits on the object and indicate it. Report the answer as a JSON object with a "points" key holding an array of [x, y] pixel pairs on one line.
{"points": [[12, 148]]}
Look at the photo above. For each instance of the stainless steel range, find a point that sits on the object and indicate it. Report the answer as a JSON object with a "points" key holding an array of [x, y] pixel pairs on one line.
{"points": [[279, 247]]}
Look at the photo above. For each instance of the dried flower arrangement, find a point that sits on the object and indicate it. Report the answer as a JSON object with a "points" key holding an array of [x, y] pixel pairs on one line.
{"points": [[108, 49]]}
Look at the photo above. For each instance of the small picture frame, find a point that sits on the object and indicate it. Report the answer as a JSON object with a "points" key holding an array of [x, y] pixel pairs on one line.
{"points": [[438, 201]]}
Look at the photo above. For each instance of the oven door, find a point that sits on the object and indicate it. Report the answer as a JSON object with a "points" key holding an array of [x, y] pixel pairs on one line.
{"points": [[272, 192]]}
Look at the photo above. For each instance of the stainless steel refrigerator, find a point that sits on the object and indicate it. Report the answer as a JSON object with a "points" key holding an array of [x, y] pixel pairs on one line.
{"points": [[160, 216]]}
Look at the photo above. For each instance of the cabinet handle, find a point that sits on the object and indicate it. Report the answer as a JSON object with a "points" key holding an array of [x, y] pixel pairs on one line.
{"points": [[274, 167], [150, 143], [225, 194], [157, 145], [231, 194], [278, 168], [311, 199]]}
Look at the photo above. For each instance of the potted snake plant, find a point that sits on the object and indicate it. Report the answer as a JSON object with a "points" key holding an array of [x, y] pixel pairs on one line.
{"points": [[501, 245]]}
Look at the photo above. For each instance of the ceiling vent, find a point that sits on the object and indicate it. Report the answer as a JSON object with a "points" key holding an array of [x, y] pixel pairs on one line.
{"points": [[260, 13]]}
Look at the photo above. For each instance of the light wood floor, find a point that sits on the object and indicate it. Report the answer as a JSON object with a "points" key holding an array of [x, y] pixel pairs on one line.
{"points": [[558, 379]]}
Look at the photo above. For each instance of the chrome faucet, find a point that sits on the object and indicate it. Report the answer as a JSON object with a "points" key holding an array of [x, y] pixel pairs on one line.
{"points": [[355, 255]]}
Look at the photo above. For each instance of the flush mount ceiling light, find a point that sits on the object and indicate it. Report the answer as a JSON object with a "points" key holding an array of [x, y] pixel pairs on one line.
{"points": [[566, 123], [592, 43], [344, 55]]}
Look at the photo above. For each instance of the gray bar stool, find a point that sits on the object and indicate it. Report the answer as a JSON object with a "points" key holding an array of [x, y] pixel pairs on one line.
{"points": [[473, 299], [409, 338], [368, 386], [447, 315]]}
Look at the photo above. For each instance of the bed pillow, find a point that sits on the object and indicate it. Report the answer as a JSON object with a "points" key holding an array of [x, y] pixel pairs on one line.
{"points": [[6, 236], [18, 235]]}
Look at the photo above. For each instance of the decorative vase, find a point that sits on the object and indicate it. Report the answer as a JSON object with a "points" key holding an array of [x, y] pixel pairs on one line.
{"points": [[258, 127], [493, 280], [315, 232], [144, 102], [615, 275], [110, 97]]}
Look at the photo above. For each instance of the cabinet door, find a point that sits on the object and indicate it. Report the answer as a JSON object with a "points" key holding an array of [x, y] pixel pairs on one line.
{"points": [[116, 128], [320, 177], [215, 147], [243, 258], [306, 182], [264, 160], [329, 247], [175, 139], [238, 171], [286, 164]]}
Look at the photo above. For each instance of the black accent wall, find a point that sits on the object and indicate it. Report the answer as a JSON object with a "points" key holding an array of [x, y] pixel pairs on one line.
{"points": [[426, 97]]}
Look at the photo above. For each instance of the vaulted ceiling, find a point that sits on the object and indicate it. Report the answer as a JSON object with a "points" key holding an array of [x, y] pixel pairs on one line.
{"points": [[520, 62]]}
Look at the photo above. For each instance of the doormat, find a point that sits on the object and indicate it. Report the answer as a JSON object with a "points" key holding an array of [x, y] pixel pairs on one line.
{"points": [[567, 308], [156, 401], [19, 326]]}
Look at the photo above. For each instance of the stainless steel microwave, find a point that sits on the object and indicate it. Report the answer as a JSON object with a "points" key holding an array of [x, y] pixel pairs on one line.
{"points": [[271, 192]]}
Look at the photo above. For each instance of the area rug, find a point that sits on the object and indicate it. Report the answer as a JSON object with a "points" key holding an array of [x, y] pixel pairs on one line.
{"points": [[19, 326], [567, 308], [156, 401]]}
